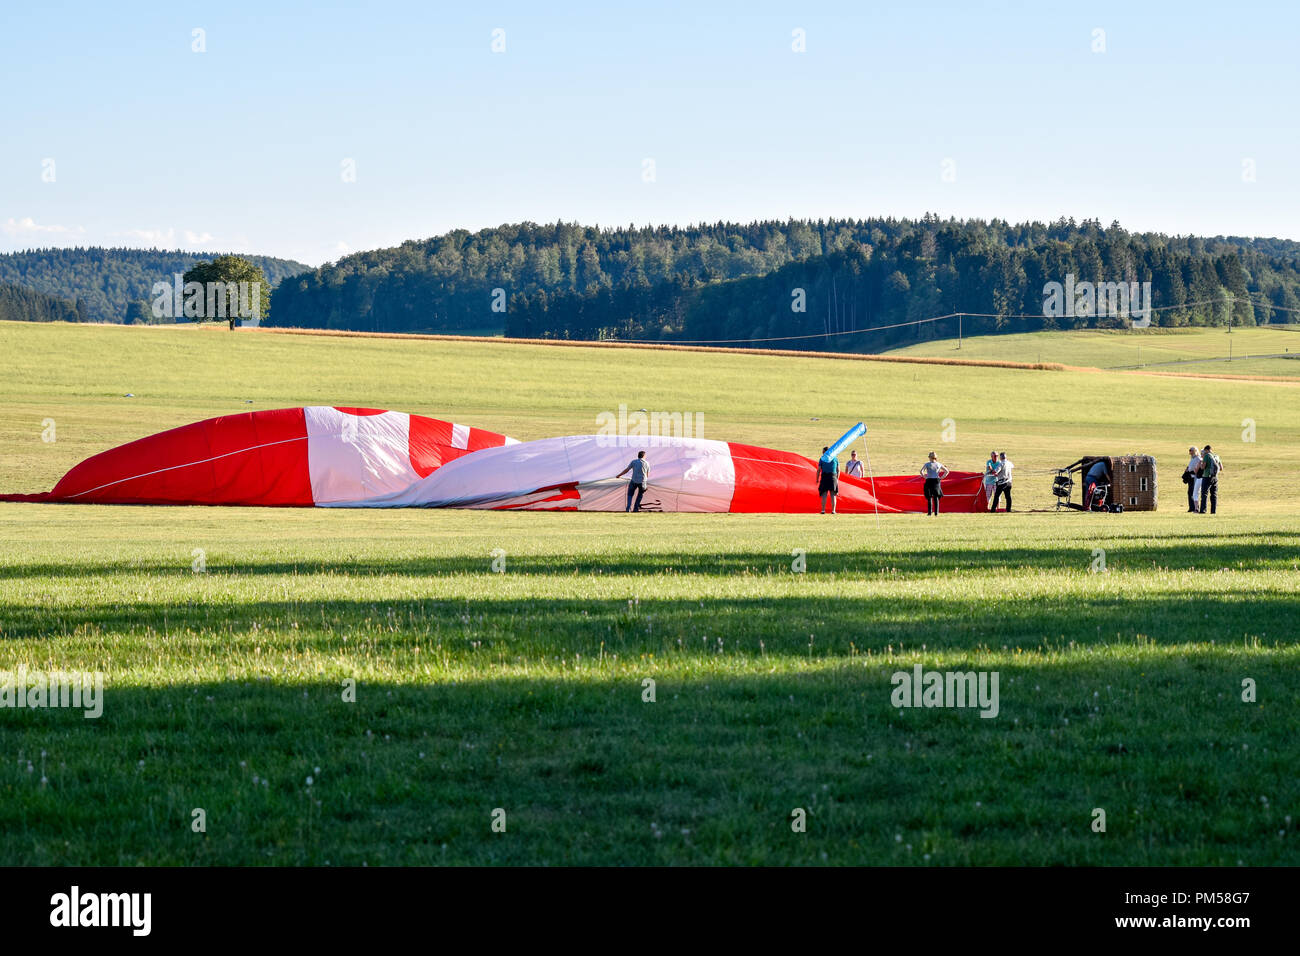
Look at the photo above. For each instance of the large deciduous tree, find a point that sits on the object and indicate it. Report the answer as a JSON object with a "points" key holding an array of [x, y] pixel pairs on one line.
{"points": [[232, 288]]}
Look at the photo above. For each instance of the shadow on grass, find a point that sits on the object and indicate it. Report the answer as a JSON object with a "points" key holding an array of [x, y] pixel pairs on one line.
{"points": [[1201, 552], [587, 771], [532, 626]]}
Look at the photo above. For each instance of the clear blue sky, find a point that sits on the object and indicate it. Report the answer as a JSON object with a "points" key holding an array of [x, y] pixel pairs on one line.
{"points": [[240, 147]]}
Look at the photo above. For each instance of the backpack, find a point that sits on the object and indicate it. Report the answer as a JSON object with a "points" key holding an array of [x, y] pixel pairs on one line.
{"points": [[1211, 466]]}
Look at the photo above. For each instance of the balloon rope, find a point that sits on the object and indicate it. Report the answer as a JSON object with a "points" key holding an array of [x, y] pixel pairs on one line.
{"points": [[876, 501]]}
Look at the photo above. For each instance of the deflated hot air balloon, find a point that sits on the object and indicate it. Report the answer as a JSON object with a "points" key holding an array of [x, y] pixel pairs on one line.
{"points": [[369, 458]]}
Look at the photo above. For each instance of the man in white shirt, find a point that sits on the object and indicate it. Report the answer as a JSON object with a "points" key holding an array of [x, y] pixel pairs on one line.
{"points": [[1003, 486], [1193, 480]]}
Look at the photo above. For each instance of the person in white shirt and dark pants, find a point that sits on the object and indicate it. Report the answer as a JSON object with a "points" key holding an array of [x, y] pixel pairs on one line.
{"points": [[1192, 475], [1003, 486]]}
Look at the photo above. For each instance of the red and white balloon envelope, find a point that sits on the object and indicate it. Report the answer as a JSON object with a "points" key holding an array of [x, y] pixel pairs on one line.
{"points": [[327, 457]]}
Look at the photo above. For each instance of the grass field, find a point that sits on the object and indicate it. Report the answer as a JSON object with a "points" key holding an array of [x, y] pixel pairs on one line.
{"points": [[1197, 351], [524, 691]]}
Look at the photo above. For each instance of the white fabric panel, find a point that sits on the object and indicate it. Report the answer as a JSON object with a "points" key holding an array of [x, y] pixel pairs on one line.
{"points": [[460, 436], [356, 458], [686, 474]]}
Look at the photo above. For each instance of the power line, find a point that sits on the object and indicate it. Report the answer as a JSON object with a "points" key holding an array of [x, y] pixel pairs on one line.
{"points": [[896, 325]]}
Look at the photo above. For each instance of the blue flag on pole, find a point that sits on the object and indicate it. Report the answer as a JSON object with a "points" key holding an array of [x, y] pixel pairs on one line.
{"points": [[848, 438]]}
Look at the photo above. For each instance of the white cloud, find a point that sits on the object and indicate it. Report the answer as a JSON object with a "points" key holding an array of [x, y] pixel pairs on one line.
{"points": [[169, 238], [27, 226], [149, 237]]}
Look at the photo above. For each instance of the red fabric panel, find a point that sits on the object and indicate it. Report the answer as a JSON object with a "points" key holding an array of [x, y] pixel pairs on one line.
{"points": [[430, 441], [479, 438], [360, 412], [774, 481], [254, 458], [963, 491], [768, 480], [565, 492]]}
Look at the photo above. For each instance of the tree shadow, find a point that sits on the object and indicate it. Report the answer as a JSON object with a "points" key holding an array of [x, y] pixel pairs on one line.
{"points": [[784, 624], [590, 772], [1204, 552]]}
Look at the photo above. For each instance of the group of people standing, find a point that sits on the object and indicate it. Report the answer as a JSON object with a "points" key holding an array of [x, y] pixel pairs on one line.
{"points": [[1202, 479], [997, 479]]}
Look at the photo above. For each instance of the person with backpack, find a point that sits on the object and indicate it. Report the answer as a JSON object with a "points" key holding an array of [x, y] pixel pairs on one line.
{"points": [[640, 469], [1211, 468], [828, 480]]}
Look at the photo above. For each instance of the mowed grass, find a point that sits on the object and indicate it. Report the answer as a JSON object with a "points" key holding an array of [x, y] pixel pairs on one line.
{"points": [[1192, 351], [525, 690]]}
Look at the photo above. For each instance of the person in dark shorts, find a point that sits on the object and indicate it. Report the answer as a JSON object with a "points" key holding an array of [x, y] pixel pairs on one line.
{"points": [[828, 480], [933, 472], [640, 469]]}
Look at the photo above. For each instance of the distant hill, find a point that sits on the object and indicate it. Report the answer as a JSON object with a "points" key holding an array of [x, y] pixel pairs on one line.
{"points": [[26, 305], [104, 283], [737, 281]]}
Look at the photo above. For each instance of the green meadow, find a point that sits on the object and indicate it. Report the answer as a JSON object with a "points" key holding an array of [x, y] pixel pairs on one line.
{"points": [[1270, 351], [338, 687]]}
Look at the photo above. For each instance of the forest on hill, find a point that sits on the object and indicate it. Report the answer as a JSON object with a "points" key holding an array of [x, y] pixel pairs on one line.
{"points": [[113, 285], [26, 305], [770, 280]]}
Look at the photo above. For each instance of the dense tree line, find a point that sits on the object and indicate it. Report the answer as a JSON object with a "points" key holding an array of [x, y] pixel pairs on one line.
{"points": [[25, 305], [114, 285], [448, 282], [739, 281], [933, 268]]}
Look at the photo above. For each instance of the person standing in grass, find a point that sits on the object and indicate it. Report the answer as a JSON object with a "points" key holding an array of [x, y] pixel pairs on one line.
{"points": [[933, 472], [828, 480], [1192, 478], [640, 469], [1004, 481], [1211, 468], [853, 466], [992, 469]]}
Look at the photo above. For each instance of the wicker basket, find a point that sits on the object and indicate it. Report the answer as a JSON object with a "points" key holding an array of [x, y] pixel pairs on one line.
{"points": [[1133, 482]]}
